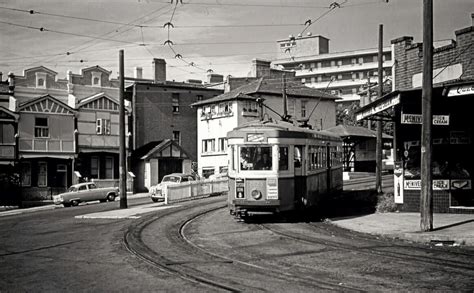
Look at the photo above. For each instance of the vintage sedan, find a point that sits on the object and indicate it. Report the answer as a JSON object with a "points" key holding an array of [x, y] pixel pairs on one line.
{"points": [[84, 192], [157, 192]]}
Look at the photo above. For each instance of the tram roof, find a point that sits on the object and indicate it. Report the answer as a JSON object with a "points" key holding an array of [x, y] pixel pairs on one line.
{"points": [[281, 129]]}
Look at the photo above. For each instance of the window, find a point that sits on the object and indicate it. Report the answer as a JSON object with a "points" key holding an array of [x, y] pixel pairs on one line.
{"points": [[82, 188], [92, 186], [255, 158], [224, 108], [41, 127], [303, 109], [207, 171], [40, 79], [361, 60], [95, 81], [208, 145], [96, 76], [175, 102], [7, 134], [177, 136], [313, 79], [103, 126], [109, 168], [303, 80], [222, 144], [283, 158], [42, 174], [26, 174], [95, 167]]}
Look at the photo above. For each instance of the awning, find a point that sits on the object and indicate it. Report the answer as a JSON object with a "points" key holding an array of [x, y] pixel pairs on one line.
{"points": [[380, 105]]}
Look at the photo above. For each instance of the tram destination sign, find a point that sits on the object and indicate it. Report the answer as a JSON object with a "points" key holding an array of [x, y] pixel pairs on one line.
{"points": [[417, 119]]}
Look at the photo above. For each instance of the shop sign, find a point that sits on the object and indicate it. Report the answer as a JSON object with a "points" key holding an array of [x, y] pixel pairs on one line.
{"points": [[439, 184], [379, 107], [398, 181], [461, 90], [417, 119]]}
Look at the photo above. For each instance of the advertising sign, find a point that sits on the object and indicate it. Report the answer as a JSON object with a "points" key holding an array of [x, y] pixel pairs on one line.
{"points": [[439, 184], [398, 181], [379, 107], [417, 119], [461, 90]]}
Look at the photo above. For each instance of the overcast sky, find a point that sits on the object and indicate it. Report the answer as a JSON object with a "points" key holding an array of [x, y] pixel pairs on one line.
{"points": [[222, 35]]}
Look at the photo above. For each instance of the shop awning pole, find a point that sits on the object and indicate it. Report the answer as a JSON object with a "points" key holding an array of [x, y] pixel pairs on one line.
{"points": [[378, 149], [426, 200]]}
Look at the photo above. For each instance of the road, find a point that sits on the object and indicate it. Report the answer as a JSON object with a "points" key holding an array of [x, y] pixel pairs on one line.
{"points": [[198, 247]]}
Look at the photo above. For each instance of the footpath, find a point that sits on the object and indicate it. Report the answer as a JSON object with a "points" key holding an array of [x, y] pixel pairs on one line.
{"points": [[449, 229]]}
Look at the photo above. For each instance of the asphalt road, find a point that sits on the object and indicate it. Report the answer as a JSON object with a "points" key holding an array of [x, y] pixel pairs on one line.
{"points": [[184, 248]]}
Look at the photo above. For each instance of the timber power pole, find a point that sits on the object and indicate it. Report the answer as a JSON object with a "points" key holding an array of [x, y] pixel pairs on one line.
{"points": [[378, 149], [426, 202], [122, 149], [285, 103]]}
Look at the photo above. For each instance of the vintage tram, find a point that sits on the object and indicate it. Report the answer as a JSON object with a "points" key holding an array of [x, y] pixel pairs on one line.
{"points": [[277, 166]]}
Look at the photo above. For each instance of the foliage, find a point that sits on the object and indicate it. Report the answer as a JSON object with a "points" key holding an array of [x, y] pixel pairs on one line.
{"points": [[386, 203]]}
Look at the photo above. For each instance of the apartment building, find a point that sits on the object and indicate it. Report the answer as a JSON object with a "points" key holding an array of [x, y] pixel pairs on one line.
{"points": [[343, 74]]}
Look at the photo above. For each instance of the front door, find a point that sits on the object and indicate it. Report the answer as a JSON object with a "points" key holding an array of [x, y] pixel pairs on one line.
{"points": [[168, 166]]}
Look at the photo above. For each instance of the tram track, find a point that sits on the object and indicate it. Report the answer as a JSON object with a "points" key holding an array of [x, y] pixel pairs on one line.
{"points": [[192, 269], [377, 248]]}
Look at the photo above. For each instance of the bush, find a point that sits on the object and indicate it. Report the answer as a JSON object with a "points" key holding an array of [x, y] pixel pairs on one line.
{"points": [[386, 203]]}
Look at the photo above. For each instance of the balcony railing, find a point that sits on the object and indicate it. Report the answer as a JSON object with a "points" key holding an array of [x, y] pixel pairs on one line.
{"points": [[46, 145]]}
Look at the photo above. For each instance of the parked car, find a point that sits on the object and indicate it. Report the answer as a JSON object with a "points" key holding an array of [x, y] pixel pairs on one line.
{"points": [[157, 192], [83, 192]]}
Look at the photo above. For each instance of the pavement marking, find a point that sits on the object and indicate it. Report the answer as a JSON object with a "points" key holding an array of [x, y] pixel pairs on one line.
{"points": [[131, 213]]}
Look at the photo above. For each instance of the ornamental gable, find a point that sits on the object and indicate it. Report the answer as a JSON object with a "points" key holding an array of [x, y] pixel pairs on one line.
{"points": [[46, 104]]}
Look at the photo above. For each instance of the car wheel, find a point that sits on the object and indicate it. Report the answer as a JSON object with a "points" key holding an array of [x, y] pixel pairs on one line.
{"points": [[102, 200], [75, 203], [154, 199], [66, 205], [111, 197]]}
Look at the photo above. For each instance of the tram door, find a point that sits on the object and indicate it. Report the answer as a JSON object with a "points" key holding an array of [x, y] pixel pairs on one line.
{"points": [[300, 180], [328, 167]]}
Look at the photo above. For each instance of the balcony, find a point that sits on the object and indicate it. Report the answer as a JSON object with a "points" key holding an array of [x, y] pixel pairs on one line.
{"points": [[344, 68], [47, 145], [7, 151]]}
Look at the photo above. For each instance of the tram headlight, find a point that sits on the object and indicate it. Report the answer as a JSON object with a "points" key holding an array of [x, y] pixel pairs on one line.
{"points": [[256, 194]]}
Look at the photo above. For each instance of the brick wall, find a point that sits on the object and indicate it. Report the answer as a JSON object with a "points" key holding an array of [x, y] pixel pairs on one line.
{"points": [[156, 121], [409, 57]]}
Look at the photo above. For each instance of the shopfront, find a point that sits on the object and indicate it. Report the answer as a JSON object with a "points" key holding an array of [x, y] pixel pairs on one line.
{"points": [[452, 152]]}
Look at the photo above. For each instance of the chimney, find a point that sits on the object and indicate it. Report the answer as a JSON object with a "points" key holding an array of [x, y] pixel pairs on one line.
{"points": [[214, 78], [159, 69], [138, 72], [260, 68]]}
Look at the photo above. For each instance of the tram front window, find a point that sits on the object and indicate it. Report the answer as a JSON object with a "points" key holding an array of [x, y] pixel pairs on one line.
{"points": [[255, 158]]}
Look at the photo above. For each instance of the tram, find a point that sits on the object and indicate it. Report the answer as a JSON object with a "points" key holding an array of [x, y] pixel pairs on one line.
{"points": [[276, 167]]}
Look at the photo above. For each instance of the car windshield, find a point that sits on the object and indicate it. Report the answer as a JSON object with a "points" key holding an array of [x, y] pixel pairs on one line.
{"points": [[171, 179], [72, 189]]}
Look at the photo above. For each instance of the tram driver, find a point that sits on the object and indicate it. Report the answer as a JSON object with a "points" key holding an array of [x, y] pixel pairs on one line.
{"points": [[264, 162]]}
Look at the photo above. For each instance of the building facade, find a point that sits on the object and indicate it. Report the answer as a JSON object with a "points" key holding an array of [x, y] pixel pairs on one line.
{"points": [[217, 116], [162, 110], [343, 74], [452, 131]]}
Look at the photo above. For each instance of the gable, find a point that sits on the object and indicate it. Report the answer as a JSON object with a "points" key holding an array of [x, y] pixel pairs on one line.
{"points": [[46, 104], [39, 69], [96, 68], [166, 149], [6, 114], [100, 103]]}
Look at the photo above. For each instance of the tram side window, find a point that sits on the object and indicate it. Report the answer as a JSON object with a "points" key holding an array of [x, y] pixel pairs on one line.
{"points": [[283, 158], [298, 156], [255, 158]]}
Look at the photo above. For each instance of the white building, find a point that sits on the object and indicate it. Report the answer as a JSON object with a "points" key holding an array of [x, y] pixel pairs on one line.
{"points": [[221, 114], [344, 74]]}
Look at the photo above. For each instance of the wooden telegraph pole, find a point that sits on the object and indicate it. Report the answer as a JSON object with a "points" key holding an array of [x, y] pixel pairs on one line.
{"points": [[122, 150], [426, 203], [378, 149], [285, 103]]}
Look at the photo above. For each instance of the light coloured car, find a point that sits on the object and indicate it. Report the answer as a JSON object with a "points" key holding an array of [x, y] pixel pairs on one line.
{"points": [[157, 192], [84, 192]]}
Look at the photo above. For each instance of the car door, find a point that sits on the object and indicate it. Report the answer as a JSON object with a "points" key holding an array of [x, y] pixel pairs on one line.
{"points": [[82, 192], [94, 192]]}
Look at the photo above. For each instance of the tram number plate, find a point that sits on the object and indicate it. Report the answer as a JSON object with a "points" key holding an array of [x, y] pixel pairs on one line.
{"points": [[239, 188]]}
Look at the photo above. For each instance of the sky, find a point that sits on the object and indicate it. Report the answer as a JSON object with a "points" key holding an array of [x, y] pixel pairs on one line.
{"points": [[199, 36]]}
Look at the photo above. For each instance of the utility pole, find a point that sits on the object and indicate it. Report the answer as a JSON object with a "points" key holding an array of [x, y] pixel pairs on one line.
{"points": [[285, 106], [378, 149], [426, 203], [122, 149]]}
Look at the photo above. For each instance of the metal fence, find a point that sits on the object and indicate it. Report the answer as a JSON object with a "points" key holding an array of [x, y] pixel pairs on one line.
{"points": [[195, 189]]}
